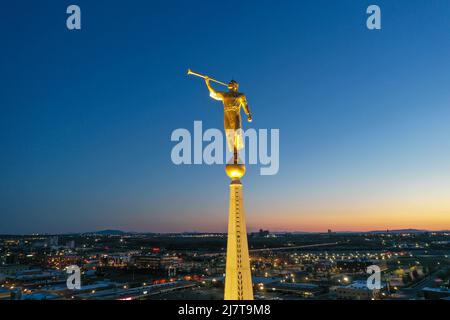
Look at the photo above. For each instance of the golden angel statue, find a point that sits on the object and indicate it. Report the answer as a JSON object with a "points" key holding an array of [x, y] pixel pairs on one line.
{"points": [[232, 103]]}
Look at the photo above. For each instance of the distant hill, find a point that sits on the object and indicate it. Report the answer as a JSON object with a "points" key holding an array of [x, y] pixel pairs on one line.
{"points": [[110, 232], [400, 231]]}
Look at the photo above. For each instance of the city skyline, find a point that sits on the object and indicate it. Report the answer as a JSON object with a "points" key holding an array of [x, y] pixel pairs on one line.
{"points": [[407, 266], [87, 115]]}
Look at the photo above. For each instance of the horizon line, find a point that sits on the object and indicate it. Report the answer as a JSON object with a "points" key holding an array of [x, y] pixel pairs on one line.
{"points": [[212, 232]]}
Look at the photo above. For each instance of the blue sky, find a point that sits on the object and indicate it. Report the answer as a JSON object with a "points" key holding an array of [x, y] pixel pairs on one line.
{"points": [[86, 116]]}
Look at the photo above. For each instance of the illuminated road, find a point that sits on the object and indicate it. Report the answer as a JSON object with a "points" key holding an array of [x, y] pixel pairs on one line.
{"points": [[295, 247], [281, 248]]}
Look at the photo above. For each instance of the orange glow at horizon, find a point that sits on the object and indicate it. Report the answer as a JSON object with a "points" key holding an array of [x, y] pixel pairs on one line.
{"points": [[356, 219], [426, 212], [319, 221]]}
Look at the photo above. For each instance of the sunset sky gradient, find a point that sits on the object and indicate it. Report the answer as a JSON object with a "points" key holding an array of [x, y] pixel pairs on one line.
{"points": [[86, 116]]}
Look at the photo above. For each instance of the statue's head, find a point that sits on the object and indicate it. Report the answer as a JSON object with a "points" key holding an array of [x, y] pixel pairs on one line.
{"points": [[233, 86]]}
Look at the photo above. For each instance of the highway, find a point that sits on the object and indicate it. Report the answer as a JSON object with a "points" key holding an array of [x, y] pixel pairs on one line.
{"points": [[295, 247]]}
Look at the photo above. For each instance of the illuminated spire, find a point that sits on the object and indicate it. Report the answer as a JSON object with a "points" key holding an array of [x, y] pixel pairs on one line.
{"points": [[238, 278]]}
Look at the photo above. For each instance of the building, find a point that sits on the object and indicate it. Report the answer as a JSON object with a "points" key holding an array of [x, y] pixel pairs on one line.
{"points": [[53, 241], [118, 260], [357, 290], [153, 261], [70, 244]]}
